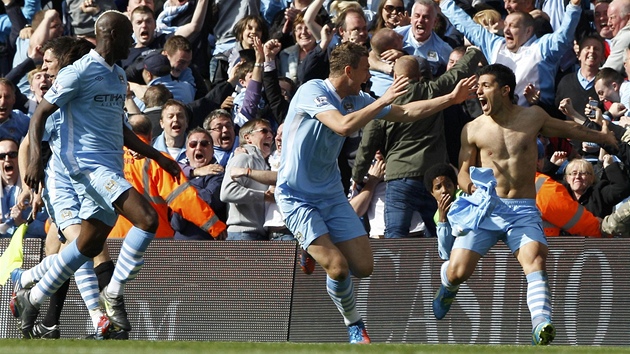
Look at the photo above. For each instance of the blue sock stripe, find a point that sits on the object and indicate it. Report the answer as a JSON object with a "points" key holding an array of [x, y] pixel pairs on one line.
{"points": [[538, 296], [539, 292], [539, 275], [138, 239], [87, 283], [40, 269], [342, 295]]}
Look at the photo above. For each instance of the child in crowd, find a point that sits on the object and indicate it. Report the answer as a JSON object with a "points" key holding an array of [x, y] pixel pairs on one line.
{"points": [[441, 181]]}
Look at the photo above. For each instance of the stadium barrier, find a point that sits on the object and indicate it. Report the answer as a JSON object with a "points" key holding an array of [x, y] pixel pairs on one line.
{"points": [[255, 291]]}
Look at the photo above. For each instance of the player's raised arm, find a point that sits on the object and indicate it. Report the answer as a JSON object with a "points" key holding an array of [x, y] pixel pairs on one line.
{"points": [[426, 108]]}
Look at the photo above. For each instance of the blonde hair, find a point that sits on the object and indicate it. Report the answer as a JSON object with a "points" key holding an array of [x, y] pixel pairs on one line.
{"points": [[339, 6], [579, 164], [487, 18]]}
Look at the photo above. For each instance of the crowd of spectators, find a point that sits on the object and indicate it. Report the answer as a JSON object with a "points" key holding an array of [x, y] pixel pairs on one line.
{"points": [[213, 80]]}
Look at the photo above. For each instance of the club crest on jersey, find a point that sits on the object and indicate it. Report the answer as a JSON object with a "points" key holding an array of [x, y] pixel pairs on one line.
{"points": [[122, 79], [98, 78], [299, 237], [321, 101], [348, 106], [111, 186], [66, 214]]}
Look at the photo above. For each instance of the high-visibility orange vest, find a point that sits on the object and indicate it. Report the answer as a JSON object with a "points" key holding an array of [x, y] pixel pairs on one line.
{"points": [[561, 212], [166, 195]]}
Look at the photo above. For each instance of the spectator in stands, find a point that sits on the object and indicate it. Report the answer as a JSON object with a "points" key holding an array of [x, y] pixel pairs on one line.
{"points": [[368, 200], [610, 86], [292, 57], [244, 196], [618, 17], [147, 40], [133, 4], [278, 90], [532, 59], [560, 213], [580, 86], [387, 47], [600, 22], [441, 181], [174, 121], [420, 39], [154, 99], [83, 13], [168, 195], [221, 127], [391, 14], [512, 6], [228, 14], [457, 115], [11, 214], [156, 69], [13, 123], [46, 25], [422, 142], [248, 100], [491, 20], [246, 29], [281, 27], [599, 197], [351, 26], [179, 51], [39, 85]]}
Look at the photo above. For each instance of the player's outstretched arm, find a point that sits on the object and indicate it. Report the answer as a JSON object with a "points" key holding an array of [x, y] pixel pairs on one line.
{"points": [[417, 110], [34, 175], [553, 127], [134, 143], [351, 122]]}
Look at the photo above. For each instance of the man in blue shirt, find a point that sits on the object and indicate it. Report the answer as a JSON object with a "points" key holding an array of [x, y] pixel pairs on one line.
{"points": [[13, 123], [534, 60], [419, 38], [309, 189]]}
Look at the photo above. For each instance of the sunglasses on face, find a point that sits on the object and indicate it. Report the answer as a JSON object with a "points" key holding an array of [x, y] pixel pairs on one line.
{"points": [[11, 154], [265, 131], [193, 143], [391, 8]]}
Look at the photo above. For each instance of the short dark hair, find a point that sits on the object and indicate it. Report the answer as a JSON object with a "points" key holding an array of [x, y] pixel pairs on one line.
{"points": [[156, 95], [141, 125], [143, 9], [175, 43], [608, 76], [241, 25], [346, 54], [217, 113], [174, 102], [441, 169], [67, 49], [199, 130], [502, 74]]}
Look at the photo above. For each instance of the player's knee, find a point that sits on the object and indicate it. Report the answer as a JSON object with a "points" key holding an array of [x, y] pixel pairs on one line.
{"points": [[91, 249], [458, 273], [148, 221], [338, 270]]}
